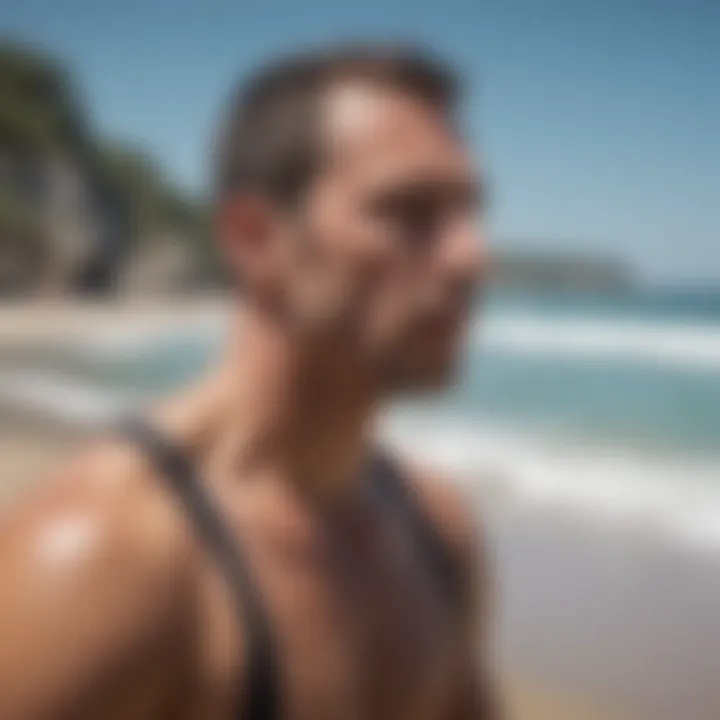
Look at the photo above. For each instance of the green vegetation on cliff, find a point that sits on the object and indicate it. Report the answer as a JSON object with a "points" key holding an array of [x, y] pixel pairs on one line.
{"points": [[42, 118]]}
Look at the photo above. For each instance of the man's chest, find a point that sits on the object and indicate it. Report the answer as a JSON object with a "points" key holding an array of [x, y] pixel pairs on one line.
{"points": [[359, 632]]}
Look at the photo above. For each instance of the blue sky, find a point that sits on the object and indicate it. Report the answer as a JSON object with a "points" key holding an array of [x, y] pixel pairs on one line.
{"points": [[597, 122]]}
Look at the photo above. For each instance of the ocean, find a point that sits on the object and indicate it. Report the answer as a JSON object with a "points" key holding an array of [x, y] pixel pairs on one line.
{"points": [[610, 402], [586, 433]]}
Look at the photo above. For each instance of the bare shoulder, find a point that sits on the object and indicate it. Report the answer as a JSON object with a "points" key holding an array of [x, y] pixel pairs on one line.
{"points": [[448, 506], [95, 592], [456, 519], [100, 527], [454, 516]]}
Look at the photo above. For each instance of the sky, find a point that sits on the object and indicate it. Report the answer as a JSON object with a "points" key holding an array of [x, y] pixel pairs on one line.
{"points": [[596, 122]]}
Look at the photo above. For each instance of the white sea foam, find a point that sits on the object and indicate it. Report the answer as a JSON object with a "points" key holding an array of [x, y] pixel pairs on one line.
{"points": [[680, 346], [58, 397], [673, 344], [610, 486], [129, 340]]}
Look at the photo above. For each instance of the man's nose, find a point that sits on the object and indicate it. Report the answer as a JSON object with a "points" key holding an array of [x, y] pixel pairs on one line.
{"points": [[465, 254]]}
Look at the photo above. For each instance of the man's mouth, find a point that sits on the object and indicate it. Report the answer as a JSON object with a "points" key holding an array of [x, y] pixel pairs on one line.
{"points": [[445, 325]]}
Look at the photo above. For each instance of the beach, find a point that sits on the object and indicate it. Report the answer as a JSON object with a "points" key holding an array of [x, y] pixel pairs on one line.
{"points": [[28, 450], [598, 617]]}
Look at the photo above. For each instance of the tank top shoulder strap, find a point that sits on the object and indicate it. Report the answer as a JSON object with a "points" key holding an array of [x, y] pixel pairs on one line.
{"points": [[434, 550], [260, 699]]}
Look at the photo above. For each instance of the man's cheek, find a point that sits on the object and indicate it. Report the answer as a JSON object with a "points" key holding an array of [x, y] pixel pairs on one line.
{"points": [[393, 322]]}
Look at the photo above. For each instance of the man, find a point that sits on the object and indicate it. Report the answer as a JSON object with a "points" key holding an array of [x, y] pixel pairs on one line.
{"points": [[247, 552]]}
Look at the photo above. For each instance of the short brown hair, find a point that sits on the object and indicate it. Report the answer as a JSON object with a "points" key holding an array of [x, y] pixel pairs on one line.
{"points": [[270, 139]]}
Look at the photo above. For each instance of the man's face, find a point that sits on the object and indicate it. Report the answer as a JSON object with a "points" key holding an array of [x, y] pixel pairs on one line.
{"points": [[382, 258]]}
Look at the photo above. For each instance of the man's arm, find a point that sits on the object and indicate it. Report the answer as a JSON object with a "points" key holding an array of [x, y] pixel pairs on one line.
{"points": [[477, 693], [92, 595]]}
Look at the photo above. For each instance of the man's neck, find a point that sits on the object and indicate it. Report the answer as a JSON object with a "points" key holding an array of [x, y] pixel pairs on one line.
{"points": [[273, 407]]}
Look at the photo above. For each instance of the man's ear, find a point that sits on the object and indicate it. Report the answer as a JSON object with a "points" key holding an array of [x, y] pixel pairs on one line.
{"points": [[246, 228]]}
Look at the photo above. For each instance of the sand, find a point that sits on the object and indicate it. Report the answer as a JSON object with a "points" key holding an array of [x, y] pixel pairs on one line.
{"points": [[538, 645], [28, 452]]}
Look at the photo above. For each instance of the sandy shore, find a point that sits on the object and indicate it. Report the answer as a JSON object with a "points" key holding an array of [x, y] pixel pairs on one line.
{"points": [[28, 323], [27, 452], [588, 623]]}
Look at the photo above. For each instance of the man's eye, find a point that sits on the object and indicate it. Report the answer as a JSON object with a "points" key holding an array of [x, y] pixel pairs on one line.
{"points": [[415, 218], [417, 223]]}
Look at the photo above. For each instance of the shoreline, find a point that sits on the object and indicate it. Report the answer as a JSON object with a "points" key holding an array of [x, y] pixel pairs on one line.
{"points": [[670, 493], [28, 448], [594, 602], [25, 324]]}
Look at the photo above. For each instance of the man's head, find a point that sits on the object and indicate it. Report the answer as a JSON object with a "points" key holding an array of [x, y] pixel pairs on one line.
{"points": [[346, 208]]}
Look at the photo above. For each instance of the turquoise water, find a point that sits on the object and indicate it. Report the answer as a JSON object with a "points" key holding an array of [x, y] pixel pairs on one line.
{"points": [[640, 371], [692, 305]]}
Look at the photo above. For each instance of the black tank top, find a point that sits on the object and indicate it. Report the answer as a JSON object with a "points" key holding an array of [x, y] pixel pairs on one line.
{"points": [[262, 693]]}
